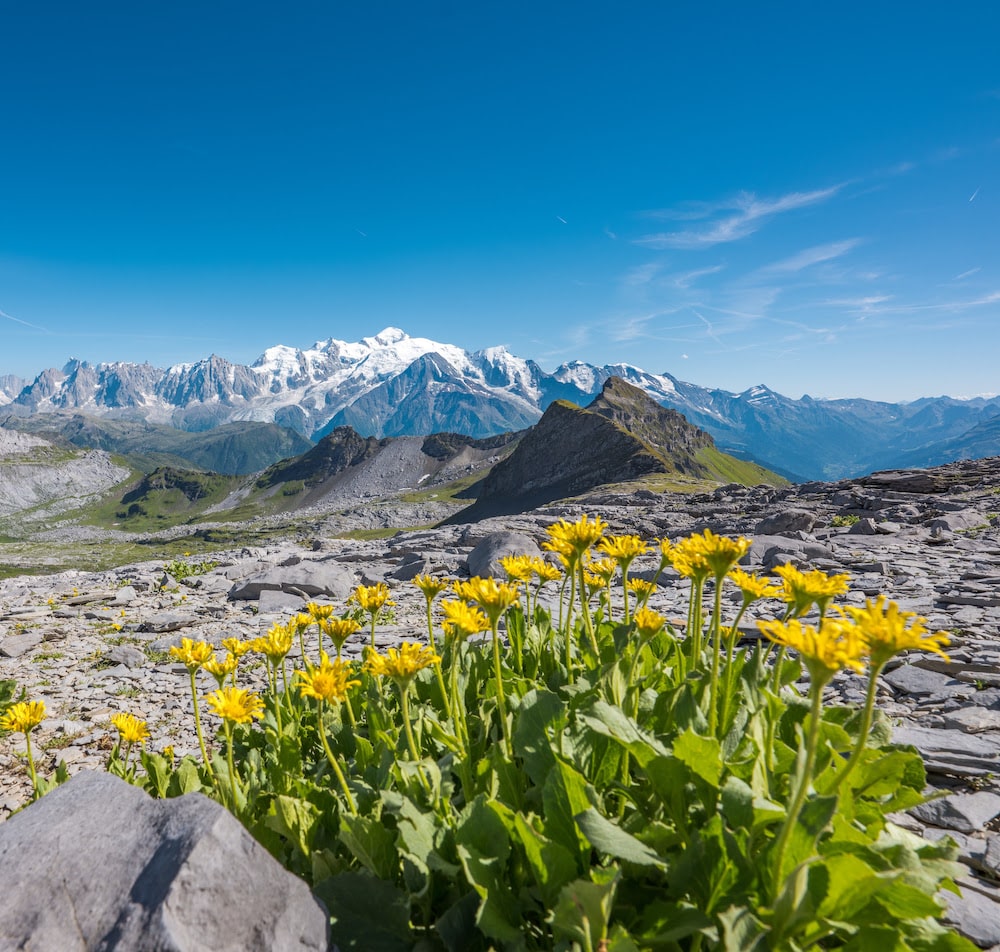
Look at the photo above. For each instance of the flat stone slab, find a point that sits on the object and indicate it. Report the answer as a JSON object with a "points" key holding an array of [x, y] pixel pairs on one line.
{"points": [[967, 812], [911, 679], [13, 646], [304, 578]]}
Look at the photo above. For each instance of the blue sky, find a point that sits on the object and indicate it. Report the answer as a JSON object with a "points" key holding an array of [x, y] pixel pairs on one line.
{"points": [[801, 195]]}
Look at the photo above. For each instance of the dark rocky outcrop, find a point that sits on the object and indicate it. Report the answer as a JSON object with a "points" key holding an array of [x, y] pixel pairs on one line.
{"points": [[622, 435], [98, 864]]}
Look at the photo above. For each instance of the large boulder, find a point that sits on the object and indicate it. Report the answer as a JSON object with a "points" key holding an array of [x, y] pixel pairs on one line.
{"points": [[484, 559], [306, 578], [98, 864]]}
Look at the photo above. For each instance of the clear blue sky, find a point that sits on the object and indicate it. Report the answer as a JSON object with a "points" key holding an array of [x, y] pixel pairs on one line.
{"points": [[805, 195]]}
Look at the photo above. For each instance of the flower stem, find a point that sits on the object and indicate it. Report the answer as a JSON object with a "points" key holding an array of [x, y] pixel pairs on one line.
{"points": [[866, 724], [404, 694], [197, 727], [31, 766], [341, 779], [501, 699], [802, 780], [713, 687]]}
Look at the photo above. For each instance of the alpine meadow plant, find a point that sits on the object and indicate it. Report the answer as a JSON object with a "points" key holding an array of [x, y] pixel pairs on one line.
{"points": [[605, 779]]}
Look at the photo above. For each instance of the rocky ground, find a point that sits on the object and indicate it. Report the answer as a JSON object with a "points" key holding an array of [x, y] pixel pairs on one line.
{"points": [[91, 644]]}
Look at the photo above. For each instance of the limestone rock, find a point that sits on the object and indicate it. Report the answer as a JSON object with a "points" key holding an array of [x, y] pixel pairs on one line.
{"points": [[177, 874], [484, 559]]}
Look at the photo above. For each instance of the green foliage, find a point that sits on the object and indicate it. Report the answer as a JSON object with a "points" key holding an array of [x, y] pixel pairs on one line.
{"points": [[181, 569], [839, 522], [657, 792]]}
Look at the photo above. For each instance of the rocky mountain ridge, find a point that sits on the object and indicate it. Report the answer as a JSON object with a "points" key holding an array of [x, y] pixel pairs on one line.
{"points": [[393, 385]]}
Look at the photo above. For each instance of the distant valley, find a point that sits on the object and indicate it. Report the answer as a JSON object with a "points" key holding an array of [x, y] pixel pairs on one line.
{"points": [[395, 385]]}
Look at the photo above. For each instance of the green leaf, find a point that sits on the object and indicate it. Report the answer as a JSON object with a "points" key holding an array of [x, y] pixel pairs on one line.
{"points": [[553, 865], [609, 838], [742, 931], [457, 926], [702, 755], [540, 715], [372, 843], [584, 909], [295, 819], [366, 914], [613, 722], [157, 773], [186, 778], [666, 923], [565, 795], [737, 803], [801, 896]]}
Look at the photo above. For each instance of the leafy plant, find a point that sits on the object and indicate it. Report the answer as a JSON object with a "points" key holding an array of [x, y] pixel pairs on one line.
{"points": [[594, 780]]}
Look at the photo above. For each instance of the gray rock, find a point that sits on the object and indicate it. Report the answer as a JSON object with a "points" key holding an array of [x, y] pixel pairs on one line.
{"points": [[484, 559], [973, 720], [280, 603], [975, 914], [168, 621], [919, 681], [967, 812], [101, 865], [305, 578], [127, 655], [787, 520], [13, 646]]}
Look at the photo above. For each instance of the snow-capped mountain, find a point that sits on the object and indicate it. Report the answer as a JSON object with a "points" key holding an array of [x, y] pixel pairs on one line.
{"points": [[394, 385]]}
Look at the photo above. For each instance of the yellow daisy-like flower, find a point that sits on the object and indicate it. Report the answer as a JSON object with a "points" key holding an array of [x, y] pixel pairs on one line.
{"points": [[403, 663], [752, 586], [517, 567], [572, 539], [603, 570], [461, 620], [236, 646], [719, 552], [885, 630], [430, 585], [802, 590], [193, 654], [371, 598], [825, 650], [131, 729], [235, 705], [641, 589], [623, 549], [301, 621], [545, 571], [220, 670], [491, 596], [168, 752], [329, 682], [317, 613], [339, 630], [23, 717], [276, 644], [648, 623]]}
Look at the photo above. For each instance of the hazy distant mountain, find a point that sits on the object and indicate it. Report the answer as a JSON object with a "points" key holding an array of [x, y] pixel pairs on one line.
{"points": [[393, 385]]}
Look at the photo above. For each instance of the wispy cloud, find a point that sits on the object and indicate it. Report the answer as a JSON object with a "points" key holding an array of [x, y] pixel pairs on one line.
{"points": [[685, 280], [17, 320], [815, 255], [966, 274], [641, 275], [747, 213]]}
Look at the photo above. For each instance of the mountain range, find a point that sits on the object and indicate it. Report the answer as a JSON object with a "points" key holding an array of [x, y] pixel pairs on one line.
{"points": [[396, 385]]}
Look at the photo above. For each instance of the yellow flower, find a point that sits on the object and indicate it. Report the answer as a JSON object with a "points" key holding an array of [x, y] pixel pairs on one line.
{"points": [[302, 621], [825, 650], [885, 630], [545, 571], [23, 717], [641, 589], [462, 620], [491, 596], [236, 646], [131, 729], [623, 549], [572, 539], [603, 570], [220, 670], [802, 590], [328, 682], [235, 705], [430, 585], [277, 643], [402, 664], [372, 597], [752, 586], [517, 567], [340, 629], [647, 623], [168, 752], [193, 654], [317, 613]]}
